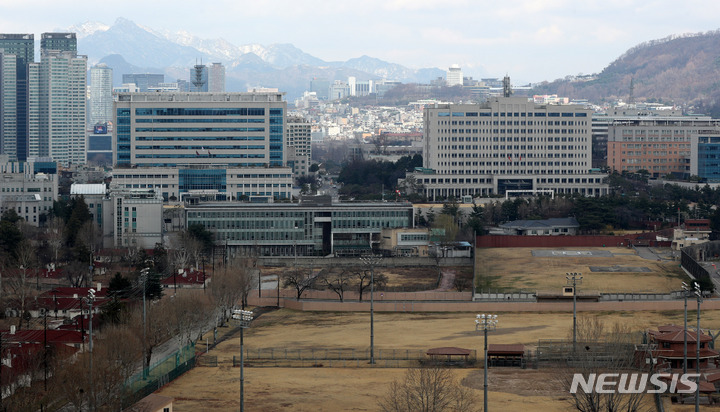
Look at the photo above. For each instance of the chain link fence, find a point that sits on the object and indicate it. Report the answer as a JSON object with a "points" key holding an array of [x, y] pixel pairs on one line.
{"points": [[344, 358]]}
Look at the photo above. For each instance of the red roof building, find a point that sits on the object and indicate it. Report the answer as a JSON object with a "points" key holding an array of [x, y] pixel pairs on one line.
{"points": [[668, 347]]}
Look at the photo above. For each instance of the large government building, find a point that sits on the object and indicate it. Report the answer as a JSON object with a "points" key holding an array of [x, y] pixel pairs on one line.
{"points": [[508, 143], [213, 146]]}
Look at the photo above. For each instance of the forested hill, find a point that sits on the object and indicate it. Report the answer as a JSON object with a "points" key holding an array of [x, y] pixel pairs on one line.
{"points": [[677, 69]]}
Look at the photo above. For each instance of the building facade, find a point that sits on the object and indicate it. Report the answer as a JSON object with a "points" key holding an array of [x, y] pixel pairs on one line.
{"points": [[171, 129], [17, 51], [508, 143], [28, 187], [216, 78], [143, 81], [299, 145], [208, 183], [309, 228], [57, 101], [659, 145], [705, 155], [454, 76], [101, 99]]}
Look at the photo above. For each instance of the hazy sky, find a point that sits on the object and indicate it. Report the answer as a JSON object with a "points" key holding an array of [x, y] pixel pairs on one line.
{"points": [[531, 40]]}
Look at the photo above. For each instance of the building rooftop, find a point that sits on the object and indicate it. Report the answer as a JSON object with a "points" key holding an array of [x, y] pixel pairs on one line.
{"points": [[87, 189]]}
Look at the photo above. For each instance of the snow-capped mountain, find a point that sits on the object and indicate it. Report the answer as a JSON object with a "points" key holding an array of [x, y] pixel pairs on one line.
{"points": [[88, 28], [277, 65]]}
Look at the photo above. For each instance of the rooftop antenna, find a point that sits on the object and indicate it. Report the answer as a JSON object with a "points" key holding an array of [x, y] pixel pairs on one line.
{"points": [[198, 81], [507, 89]]}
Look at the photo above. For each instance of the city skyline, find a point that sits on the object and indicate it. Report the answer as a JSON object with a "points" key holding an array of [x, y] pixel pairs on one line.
{"points": [[530, 39]]}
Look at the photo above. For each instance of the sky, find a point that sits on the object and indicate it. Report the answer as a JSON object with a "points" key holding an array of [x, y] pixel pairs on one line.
{"points": [[530, 40]]}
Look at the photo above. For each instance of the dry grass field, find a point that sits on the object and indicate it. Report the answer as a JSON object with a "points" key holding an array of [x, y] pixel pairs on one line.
{"points": [[358, 389], [516, 269]]}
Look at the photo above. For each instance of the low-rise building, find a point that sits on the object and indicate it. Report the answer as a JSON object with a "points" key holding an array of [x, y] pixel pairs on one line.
{"points": [[313, 227], [30, 188], [552, 227]]}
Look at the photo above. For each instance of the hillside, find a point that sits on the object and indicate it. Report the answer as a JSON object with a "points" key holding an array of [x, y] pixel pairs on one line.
{"points": [[677, 69]]}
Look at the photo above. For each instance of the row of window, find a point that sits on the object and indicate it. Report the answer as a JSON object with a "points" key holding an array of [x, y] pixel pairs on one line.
{"points": [[197, 129], [513, 114], [199, 120], [179, 111]]}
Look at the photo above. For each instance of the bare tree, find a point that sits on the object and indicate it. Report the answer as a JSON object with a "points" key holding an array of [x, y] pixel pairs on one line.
{"points": [[431, 389], [364, 277], [55, 236], [337, 280], [232, 284], [76, 273], [186, 314], [601, 349], [156, 326], [21, 284], [299, 278]]}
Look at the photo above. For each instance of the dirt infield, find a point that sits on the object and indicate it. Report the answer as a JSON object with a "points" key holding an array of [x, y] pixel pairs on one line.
{"points": [[509, 270], [357, 389]]}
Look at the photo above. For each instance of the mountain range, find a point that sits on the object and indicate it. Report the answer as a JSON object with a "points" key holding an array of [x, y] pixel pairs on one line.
{"points": [[677, 70], [130, 48]]}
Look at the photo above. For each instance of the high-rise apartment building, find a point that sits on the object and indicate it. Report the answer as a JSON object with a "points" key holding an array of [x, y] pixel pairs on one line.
{"points": [[454, 76], [101, 100], [216, 78], [57, 100], [508, 143], [58, 41], [17, 51]]}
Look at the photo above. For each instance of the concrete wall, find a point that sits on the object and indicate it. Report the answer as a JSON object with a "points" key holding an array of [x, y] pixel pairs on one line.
{"points": [[508, 241], [473, 307]]}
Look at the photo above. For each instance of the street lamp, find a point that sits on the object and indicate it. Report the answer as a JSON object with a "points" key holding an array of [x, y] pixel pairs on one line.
{"points": [[372, 261], [574, 279], [485, 322], [245, 317]]}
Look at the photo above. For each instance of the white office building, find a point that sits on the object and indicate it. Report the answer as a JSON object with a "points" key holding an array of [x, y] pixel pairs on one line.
{"points": [[508, 143], [454, 76]]}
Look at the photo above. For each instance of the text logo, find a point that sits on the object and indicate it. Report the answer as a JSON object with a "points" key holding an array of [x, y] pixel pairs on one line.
{"points": [[604, 383]]}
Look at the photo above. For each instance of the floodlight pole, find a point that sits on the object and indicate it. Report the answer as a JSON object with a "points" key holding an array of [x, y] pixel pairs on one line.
{"points": [[485, 322], [698, 295], [245, 317], [685, 296], [90, 299], [371, 261], [574, 278]]}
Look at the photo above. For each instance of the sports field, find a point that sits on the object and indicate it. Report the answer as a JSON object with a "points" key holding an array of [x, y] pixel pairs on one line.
{"points": [[358, 389], [515, 269]]}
